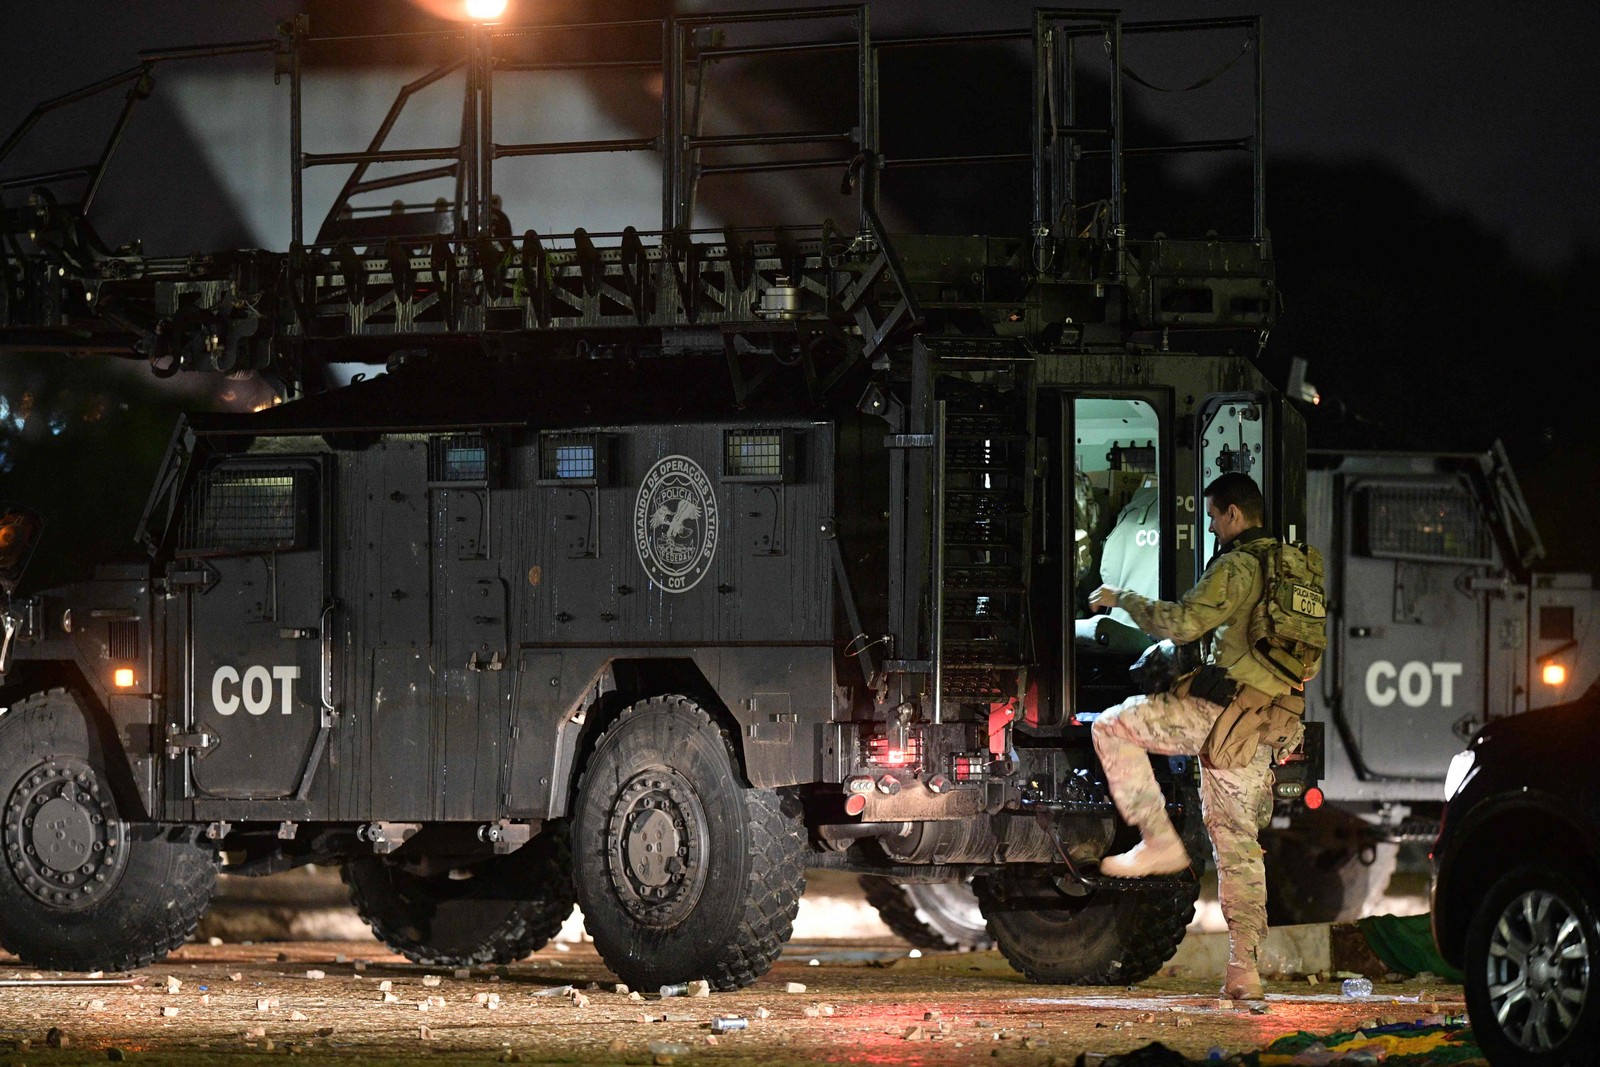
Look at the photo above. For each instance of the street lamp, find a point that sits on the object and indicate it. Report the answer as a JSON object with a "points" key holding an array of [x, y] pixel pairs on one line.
{"points": [[485, 10]]}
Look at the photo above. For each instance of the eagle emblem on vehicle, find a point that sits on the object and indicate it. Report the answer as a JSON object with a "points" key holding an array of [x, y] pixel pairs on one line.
{"points": [[675, 523]]}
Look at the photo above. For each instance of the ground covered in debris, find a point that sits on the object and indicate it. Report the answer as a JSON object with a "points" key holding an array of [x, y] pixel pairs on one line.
{"points": [[859, 1002]]}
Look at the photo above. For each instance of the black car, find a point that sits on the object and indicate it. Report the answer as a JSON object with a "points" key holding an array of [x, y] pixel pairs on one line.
{"points": [[1516, 884]]}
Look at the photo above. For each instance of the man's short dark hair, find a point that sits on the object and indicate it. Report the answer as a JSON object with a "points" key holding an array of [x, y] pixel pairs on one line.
{"points": [[1239, 490]]}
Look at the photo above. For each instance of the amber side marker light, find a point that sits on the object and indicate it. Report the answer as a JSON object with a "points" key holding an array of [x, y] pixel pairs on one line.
{"points": [[1554, 674], [123, 678]]}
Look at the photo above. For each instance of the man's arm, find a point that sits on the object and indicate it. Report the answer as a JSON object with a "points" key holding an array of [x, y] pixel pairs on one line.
{"points": [[1202, 608]]}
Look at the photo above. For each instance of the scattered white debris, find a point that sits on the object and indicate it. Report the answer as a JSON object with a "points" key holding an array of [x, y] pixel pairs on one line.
{"points": [[813, 963], [96, 1005], [915, 954], [915, 1033], [173, 985], [299, 1017], [390, 998], [236, 976], [463, 972], [620, 989], [424, 1033], [263, 1004], [97, 974], [314, 975], [169, 1012], [340, 957], [205, 1000], [214, 942], [385, 985], [431, 980], [763, 1013], [699, 988], [635, 996], [579, 1000]]}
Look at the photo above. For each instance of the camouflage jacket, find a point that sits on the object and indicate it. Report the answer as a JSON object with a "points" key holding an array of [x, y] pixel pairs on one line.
{"points": [[1219, 604]]}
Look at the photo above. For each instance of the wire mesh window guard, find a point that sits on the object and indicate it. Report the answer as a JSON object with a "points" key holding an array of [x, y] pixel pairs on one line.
{"points": [[240, 511], [572, 458], [1425, 523], [757, 455], [460, 458]]}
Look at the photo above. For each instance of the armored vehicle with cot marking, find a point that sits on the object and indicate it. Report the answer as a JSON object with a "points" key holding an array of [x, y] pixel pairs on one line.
{"points": [[660, 567]]}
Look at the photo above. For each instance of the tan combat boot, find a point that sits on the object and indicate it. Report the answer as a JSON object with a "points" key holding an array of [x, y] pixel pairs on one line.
{"points": [[1159, 852], [1243, 980]]}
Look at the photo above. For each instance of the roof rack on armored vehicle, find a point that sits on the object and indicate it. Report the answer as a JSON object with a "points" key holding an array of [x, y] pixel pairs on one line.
{"points": [[454, 274]]}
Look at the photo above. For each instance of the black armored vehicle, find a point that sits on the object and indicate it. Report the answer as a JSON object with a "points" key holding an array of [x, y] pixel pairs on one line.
{"points": [[659, 566]]}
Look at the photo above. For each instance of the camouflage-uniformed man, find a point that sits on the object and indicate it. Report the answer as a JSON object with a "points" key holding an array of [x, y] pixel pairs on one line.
{"points": [[1235, 803]]}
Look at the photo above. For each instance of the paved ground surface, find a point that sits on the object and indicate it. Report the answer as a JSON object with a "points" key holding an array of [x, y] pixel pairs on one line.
{"points": [[865, 1002]]}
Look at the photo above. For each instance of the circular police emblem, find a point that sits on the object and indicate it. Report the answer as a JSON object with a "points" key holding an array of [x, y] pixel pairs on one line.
{"points": [[675, 523]]}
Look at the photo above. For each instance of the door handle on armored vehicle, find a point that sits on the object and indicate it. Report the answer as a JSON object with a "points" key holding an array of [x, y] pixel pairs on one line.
{"points": [[329, 710], [11, 625]]}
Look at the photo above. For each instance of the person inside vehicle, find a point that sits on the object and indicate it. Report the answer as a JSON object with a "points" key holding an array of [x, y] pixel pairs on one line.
{"points": [[1236, 802]]}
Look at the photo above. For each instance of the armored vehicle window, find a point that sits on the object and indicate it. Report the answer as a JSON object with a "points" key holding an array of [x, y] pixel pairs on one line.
{"points": [[573, 458], [462, 458], [758, 455], [235, 511], [1231, 443], [1433, 522]]}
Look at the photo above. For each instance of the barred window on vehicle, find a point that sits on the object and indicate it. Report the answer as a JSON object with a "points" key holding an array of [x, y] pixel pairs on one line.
{"points": [[1434, 522], [239, 511], [458, 458], [573, 458], [758, 455]]}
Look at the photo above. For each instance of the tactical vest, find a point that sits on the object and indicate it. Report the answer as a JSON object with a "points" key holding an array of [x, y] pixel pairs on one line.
{"points": [[1289, 624]]}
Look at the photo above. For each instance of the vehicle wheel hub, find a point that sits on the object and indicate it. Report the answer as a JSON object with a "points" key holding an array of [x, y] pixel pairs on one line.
{"points": [[1538, 970], [655, 847], [61, 837]]}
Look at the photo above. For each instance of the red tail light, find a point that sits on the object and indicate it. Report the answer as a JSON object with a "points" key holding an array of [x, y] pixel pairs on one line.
{"points": [[1313, 798]]}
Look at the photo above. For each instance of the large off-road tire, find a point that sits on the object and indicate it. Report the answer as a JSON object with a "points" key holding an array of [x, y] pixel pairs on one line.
{"points": [[942, 916], [1532, 980], [1107, 937], [499, 910], [84, 889], [1325, 868], [1104, 938], [684, 872]]}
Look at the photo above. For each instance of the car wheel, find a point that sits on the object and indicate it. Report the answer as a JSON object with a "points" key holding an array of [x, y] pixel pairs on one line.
{"points": [[1530, 953]]}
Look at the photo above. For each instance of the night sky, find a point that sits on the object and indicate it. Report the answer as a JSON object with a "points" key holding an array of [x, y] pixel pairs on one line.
{"points": [[1431, 195]]}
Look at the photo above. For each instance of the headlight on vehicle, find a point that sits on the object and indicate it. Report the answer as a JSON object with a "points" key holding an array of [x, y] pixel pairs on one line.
{"points": [[1460, 770]]}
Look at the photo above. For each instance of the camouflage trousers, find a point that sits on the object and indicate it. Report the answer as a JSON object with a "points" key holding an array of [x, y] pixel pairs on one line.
{"points": [[1235, 804]]}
